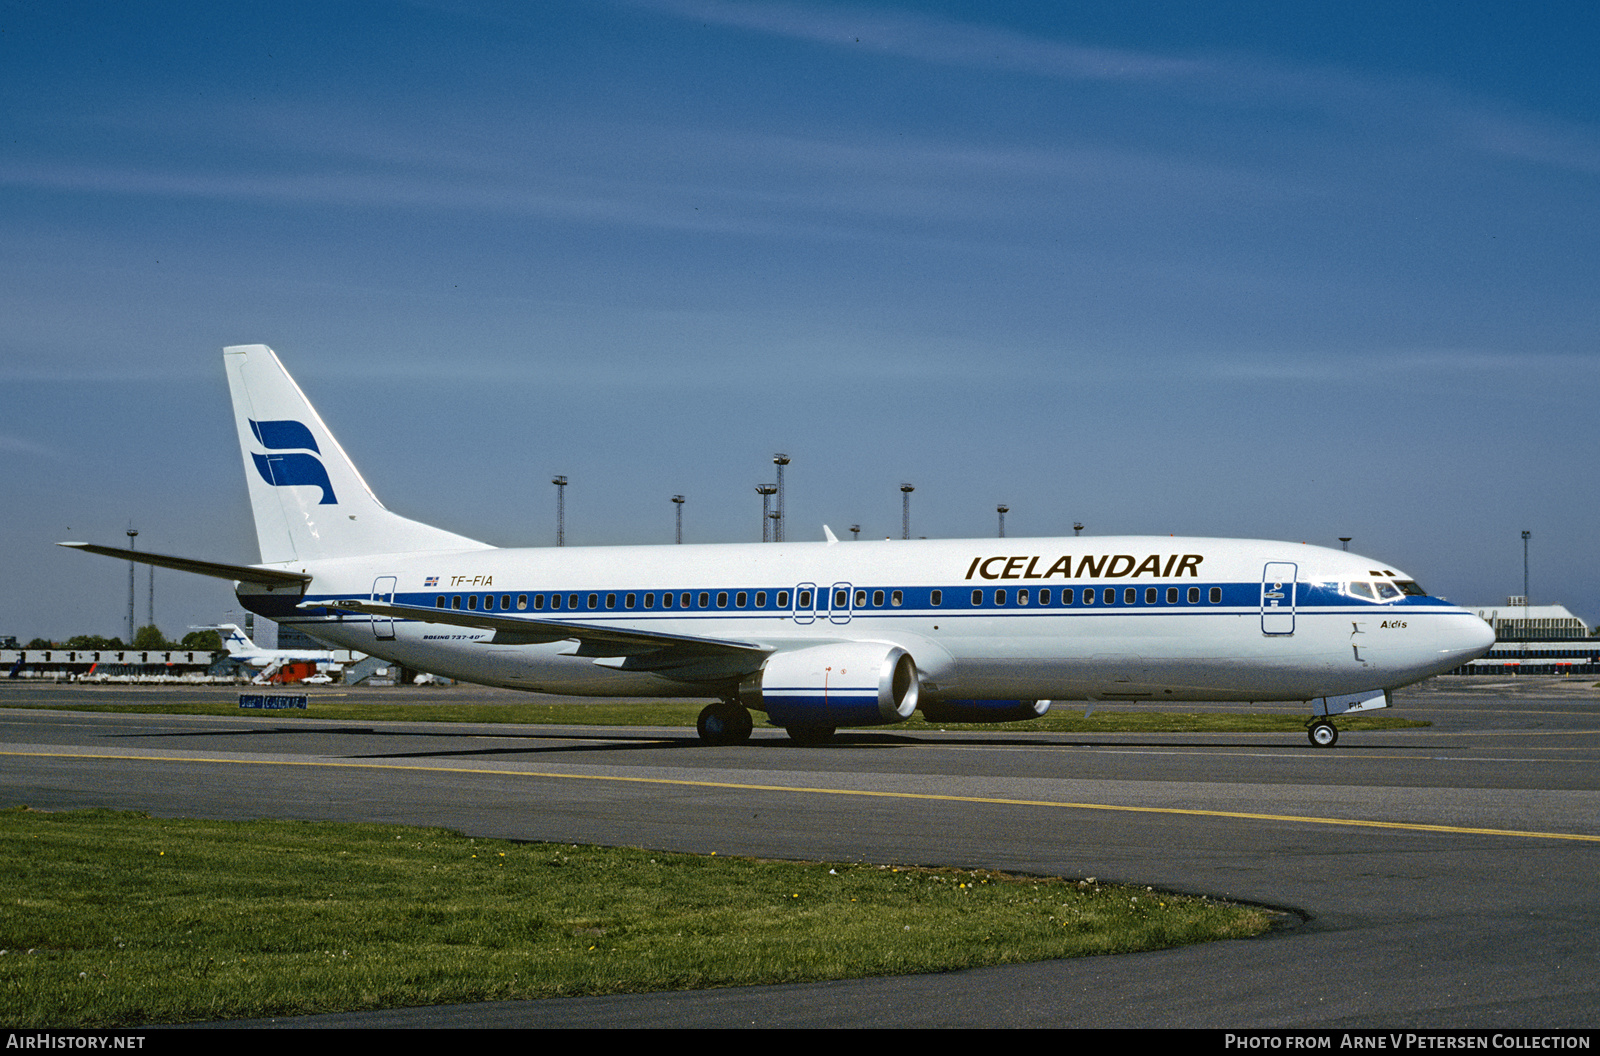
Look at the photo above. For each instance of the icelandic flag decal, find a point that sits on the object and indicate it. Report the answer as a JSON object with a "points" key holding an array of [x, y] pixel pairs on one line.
{"points": [[431, 581]]}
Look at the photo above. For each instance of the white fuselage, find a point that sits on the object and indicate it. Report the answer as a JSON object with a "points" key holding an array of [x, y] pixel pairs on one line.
{"points": [[1170, 618]]}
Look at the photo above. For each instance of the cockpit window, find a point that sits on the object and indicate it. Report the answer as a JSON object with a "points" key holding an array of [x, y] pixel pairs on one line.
{"points": [[1412, 588], [1388, 591], [1363, 590]]}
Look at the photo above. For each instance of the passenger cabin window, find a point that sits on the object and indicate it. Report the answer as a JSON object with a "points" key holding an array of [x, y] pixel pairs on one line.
{"points": [[705, 599], [977, 597], [841, 598], [1068, 595], [896, 598], [1194, 595], [1109, 595], [1216, 595], [1000, 596], [937, 598], [666, 601], [522, 601], [861, 599], [611, 601], [538, 602], [1130, 595], [1044, 596], [783, 599], [877, 598], [722, 599], [1172, 595], [1022, 596], [438, 602], [804, 600], [1149, 595], [741, 599], [761, 599], [1088, 595], [627, 601]]}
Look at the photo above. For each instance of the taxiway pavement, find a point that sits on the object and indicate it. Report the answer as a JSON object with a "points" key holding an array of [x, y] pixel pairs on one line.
{"points": [[1444, 877]]}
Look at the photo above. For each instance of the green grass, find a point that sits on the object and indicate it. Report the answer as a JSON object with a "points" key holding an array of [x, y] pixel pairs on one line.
{"points": [[119, 919], [1063, 718]]}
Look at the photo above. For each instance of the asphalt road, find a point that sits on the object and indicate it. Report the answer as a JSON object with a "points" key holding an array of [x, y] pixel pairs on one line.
{"points": [[1442, 877]]}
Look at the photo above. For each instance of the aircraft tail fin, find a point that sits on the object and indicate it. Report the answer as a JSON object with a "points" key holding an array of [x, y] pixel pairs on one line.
{"points": [[234, 639], [308, 498]]}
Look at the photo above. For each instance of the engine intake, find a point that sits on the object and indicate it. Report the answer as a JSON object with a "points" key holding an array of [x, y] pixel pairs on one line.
{"points": [[838, 684]]}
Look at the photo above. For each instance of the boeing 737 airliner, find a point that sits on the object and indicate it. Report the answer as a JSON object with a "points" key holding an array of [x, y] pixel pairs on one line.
{"points": [[818, 635]]}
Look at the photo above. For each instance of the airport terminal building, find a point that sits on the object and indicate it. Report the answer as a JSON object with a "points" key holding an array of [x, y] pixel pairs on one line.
{"points": [[1535, 640]]}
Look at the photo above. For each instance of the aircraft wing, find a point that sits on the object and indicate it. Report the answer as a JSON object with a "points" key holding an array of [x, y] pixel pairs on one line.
{"points": [[624, 648], [267, 577]]}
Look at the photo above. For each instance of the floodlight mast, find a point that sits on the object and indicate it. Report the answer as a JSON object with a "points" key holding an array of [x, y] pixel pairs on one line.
{"points": [[780, 460], [133, 534], [677, 500], [561, 509], [1002, 510], [905, 510], [766, 491]]}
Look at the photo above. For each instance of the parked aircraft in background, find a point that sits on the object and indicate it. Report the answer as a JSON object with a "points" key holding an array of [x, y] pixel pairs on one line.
{"points": [[241, 648], [819, 635]]}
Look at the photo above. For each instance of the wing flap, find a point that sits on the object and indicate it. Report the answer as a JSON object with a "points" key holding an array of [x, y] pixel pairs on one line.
{"points": [[625, 648]]}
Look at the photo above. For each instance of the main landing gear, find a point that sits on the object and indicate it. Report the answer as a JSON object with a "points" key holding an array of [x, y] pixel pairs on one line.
{"points": [[1323, 734], [725, 722]]}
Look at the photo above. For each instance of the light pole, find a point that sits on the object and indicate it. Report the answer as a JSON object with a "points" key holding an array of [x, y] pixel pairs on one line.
{"points": [[1002, 510], [905, 510], [855, 533], [1077, 527], [133, 534], [780, 460], [561, 509], [677, 500], [1525, 599], [766, 491], [1344, 543]]}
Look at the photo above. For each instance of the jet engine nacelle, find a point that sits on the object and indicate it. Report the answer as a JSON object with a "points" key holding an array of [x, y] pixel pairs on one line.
{"points": [[983, 710], [838, 684]]}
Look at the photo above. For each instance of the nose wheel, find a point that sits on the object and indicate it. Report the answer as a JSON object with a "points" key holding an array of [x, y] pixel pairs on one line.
{"points": [[1323, 734]]}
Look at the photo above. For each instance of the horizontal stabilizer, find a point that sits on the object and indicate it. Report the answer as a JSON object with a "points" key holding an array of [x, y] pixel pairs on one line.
{"points": [[266, 577]]}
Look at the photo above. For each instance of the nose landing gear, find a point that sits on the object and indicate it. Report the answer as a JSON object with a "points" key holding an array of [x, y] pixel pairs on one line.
{"points": [[1323, 734]]}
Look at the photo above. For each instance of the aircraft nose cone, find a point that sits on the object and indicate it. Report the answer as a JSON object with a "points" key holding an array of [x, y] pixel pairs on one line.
{"points": [[1472, 640]]}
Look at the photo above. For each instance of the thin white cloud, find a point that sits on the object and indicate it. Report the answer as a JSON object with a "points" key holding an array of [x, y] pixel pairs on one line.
{"points": [[934, 39]]}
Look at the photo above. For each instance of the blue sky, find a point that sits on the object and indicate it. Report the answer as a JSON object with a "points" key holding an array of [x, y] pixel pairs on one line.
{"points": [[1237, 269]]}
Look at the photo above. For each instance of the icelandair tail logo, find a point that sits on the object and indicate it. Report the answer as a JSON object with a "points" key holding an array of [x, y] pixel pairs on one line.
{"points": [[285, 470]]}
